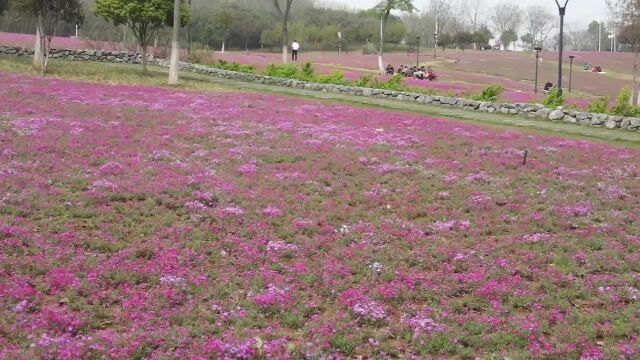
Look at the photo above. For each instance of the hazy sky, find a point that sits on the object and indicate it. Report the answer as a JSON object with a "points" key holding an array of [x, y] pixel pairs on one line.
{"points": [[579, 12]]}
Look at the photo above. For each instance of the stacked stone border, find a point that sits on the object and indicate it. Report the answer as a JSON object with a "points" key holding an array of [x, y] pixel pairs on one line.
{"points": [[535, 111]]}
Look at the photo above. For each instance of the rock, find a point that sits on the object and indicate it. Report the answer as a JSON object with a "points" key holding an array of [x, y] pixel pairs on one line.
{"points": [[556, 115], [570, 119], [625, 123], [475, 104], [634, 123], [543, 113], [617, 119], [366, 92], [597, 120], [485, 106], [428, 99], [582, 116], [611, 124]]}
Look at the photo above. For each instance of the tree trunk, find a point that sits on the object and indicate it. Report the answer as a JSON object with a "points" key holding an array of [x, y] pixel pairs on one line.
{"points": [[246, 46], [175, 45], [144, 58], [46, 46], [37, 51], [634, 97], [155, 46], [381, 50], [285, 40], [222, 50]]}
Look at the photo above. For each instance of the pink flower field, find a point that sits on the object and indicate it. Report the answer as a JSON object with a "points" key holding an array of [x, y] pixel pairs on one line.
{"points": [[27, 40], [140, 222]]}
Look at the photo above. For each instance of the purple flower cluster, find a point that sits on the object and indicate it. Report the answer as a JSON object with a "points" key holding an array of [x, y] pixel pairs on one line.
{"points": [[141, 222]]}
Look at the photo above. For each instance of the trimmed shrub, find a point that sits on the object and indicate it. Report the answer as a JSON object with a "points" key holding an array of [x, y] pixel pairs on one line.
{"points": [[599, 106], [553, 99], [284, 71], [364, 81], [336, 77], [623, 106], [490, 93], [234, 66]]}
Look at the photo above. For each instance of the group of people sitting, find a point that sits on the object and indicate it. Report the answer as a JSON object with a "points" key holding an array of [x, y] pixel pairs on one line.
{"points": [[420, 73], [593, 69]]}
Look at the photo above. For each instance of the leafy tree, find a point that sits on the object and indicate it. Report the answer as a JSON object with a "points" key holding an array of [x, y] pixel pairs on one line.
{"points": [[48, 14], [249, 26], [508, 37], [143, 17], [224, 21], [598, 34], [271, 37], [284, 14], [4, 5], [482, 36], [529, 41], [384, 9], [444, 40], [395, 32], [463, 39]]}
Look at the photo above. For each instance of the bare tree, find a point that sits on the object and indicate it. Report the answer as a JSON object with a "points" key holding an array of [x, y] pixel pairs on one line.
{"points": [[472, 10], [628, 28], [506, 17], [539, 21], [442, 11], [175, 44], [580, 39], [284, 14]]}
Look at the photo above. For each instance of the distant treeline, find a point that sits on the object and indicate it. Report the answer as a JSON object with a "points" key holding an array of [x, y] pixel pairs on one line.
{"points": [[242, 24]]}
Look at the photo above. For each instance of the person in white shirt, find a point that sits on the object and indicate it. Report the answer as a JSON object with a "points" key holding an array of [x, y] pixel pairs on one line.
{"points": [[294, 53]]}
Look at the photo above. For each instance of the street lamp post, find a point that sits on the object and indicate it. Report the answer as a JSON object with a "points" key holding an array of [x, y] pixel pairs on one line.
{"points": [[571, 57], [537, 49], [562, 9], [418, 51]]}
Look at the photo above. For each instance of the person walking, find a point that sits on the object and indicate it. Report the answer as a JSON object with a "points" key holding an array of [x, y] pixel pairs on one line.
{"points": [[294, 50]]}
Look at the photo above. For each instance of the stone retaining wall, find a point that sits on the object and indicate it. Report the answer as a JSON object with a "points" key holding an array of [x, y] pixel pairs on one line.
{"points": [[531, 110]]}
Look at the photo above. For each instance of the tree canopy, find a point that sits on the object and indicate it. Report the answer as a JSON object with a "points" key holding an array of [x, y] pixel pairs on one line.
{"points": [[143, 17]]}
